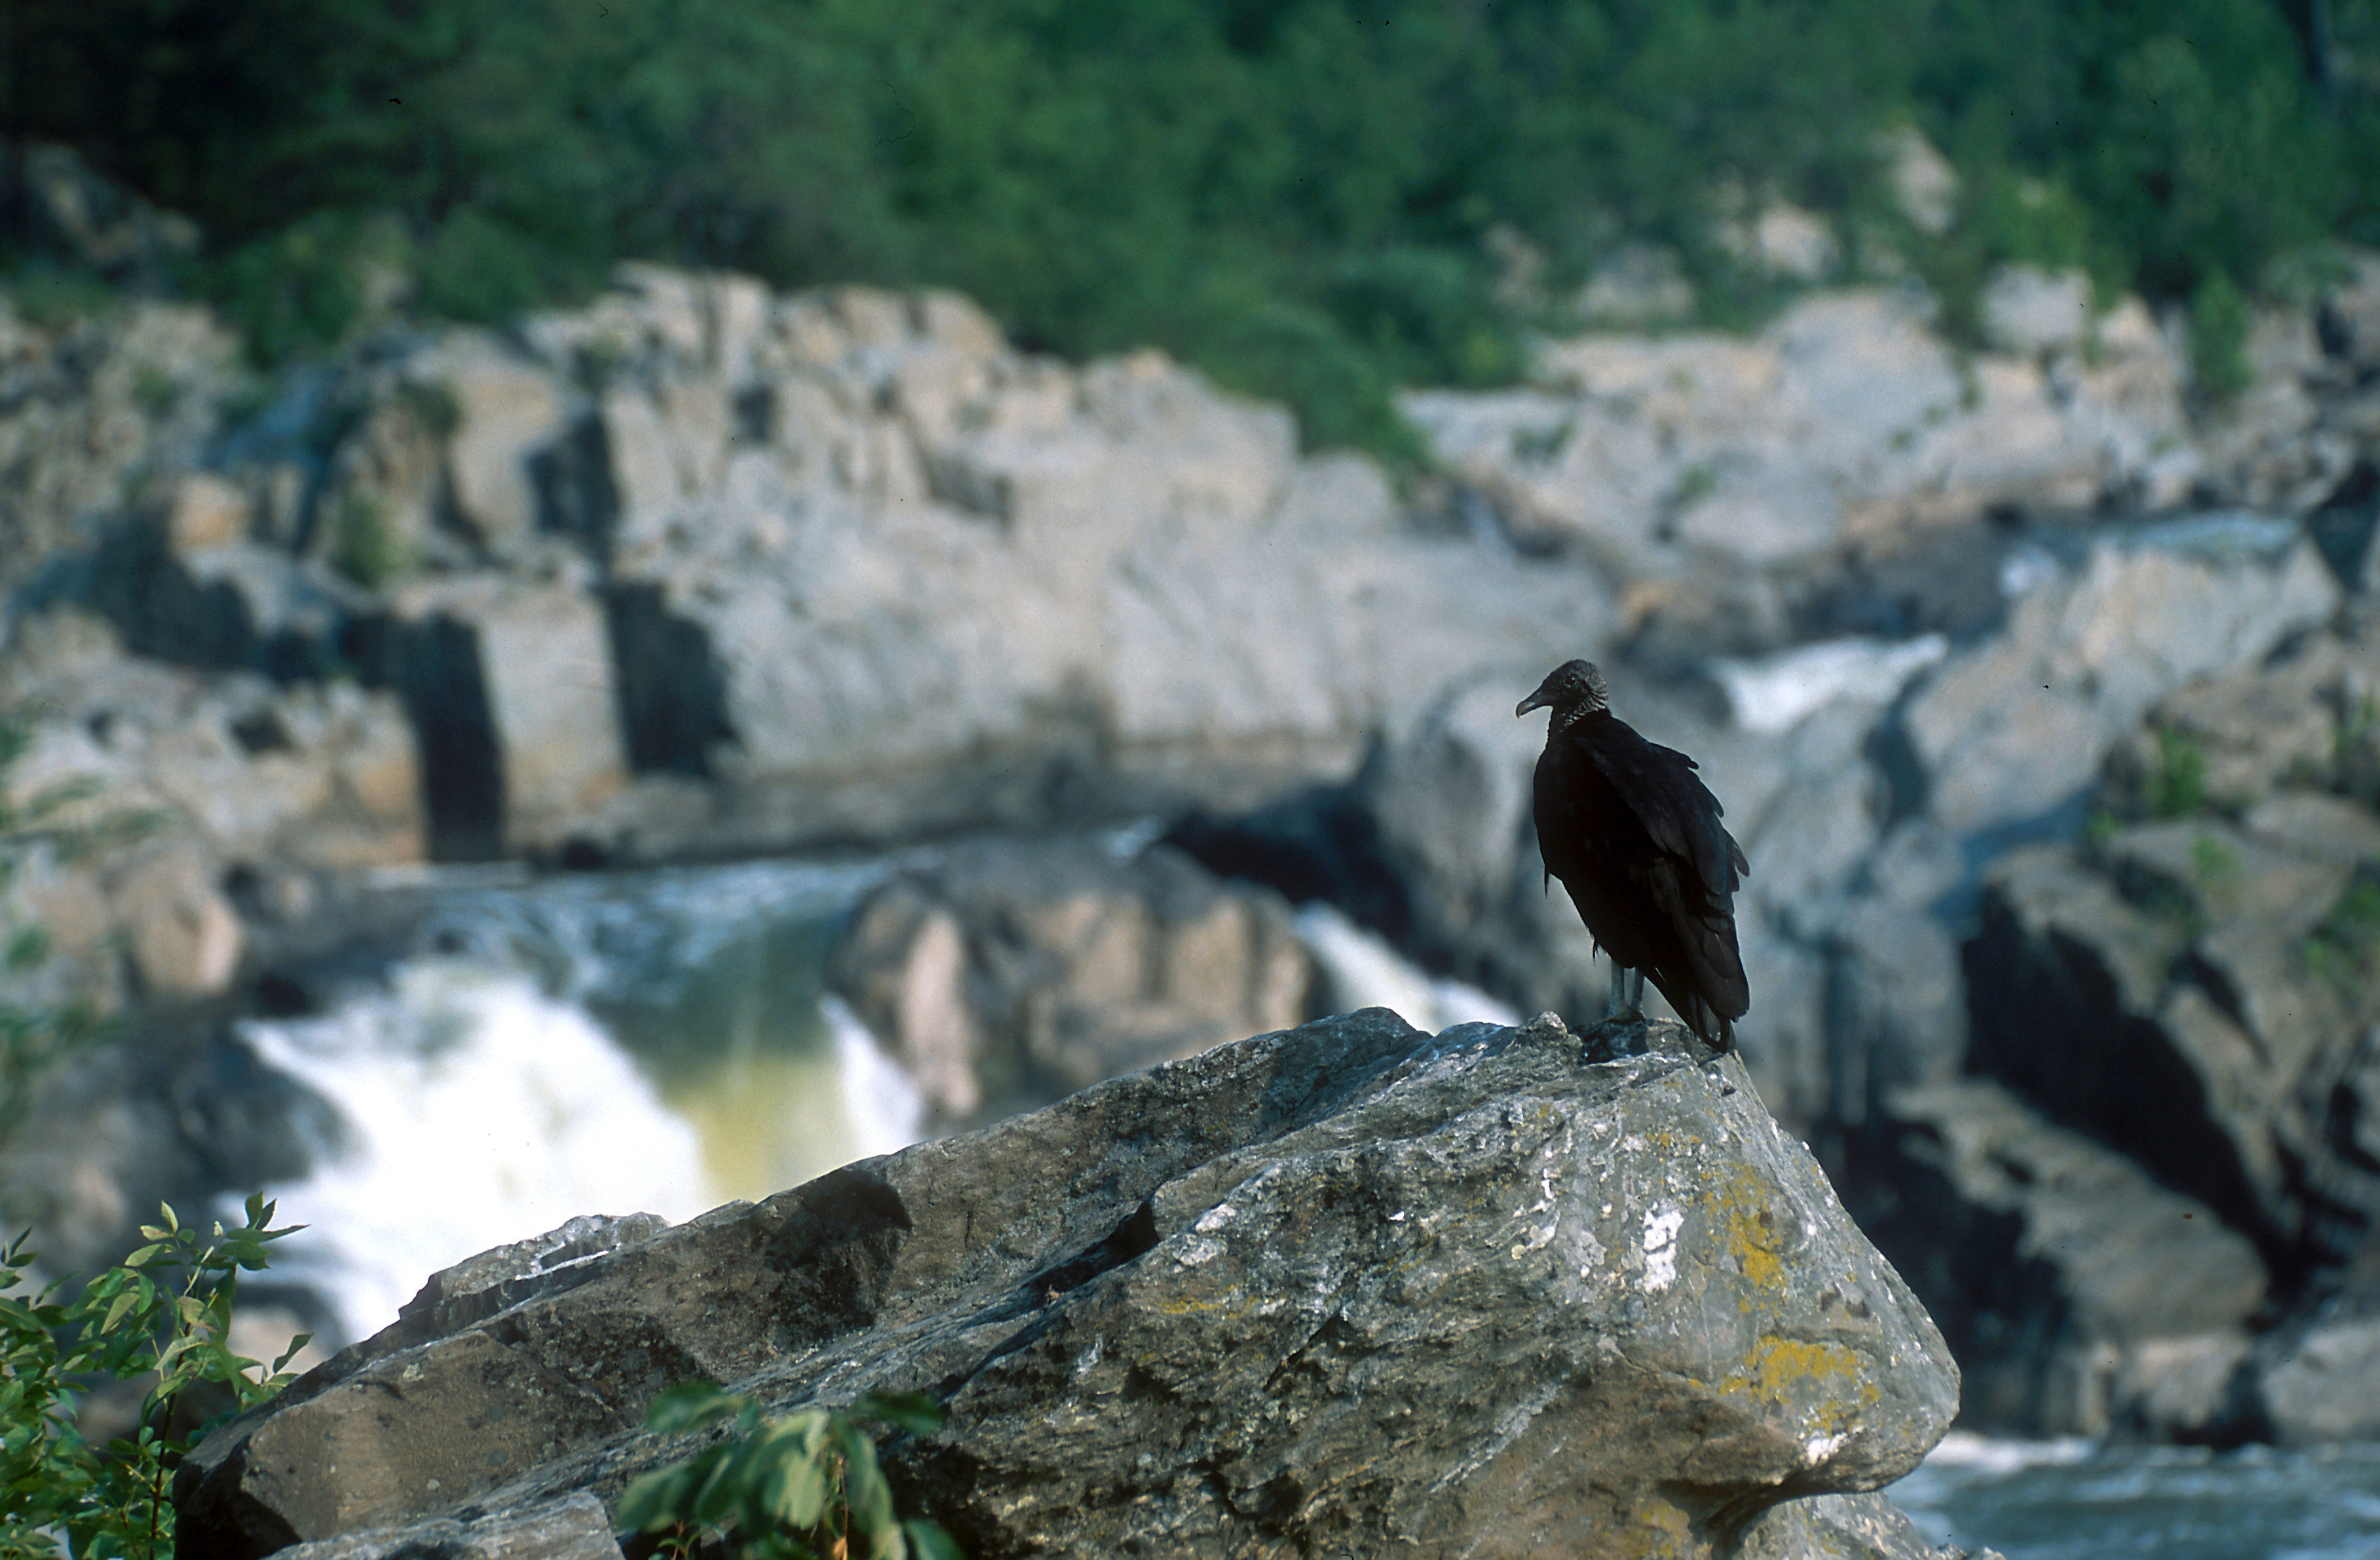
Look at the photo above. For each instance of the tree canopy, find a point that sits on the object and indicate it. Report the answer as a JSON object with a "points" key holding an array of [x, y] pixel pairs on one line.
{"points": [[1296, 195]]}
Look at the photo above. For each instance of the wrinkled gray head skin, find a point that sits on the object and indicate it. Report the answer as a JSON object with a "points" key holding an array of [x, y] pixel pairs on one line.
{"points": [[1573, 688]]}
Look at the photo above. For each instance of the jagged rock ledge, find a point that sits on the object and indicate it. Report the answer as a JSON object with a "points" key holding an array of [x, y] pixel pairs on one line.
{"points": [[1345, 1288]]}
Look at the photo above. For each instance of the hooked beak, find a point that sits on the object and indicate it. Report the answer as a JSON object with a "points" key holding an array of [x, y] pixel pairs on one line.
{"points": [[1537, 700]]}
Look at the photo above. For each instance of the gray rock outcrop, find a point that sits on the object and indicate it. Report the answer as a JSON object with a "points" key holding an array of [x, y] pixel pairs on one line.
{"points": [[213, 783], [1005, 975], [1845, 422], [87, 410], [2166, 996], [2019, 725], [892, 575], [2079, 1295], [1346, 1288]]}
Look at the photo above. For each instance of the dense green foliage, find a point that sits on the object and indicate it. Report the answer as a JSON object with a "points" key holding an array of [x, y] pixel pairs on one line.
{"points": [[1294, 194], [164, 1314], [789, 1489]]}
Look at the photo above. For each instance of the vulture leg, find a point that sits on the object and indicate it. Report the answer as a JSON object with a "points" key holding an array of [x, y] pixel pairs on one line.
{"points": [[1627, 996]]}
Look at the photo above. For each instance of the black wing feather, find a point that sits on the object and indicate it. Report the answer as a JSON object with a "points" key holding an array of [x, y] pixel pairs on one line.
{"points": [[1638, 840]]}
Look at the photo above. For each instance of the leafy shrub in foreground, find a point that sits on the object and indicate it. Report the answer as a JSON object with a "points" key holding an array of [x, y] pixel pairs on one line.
{"points": [[164, 1312]]}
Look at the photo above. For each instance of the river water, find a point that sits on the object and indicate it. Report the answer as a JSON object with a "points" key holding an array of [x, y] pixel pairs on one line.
{"points": [[662, 1042], [2069, 1500]]}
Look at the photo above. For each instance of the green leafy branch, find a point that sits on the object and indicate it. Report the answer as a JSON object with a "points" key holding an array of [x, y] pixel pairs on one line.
{"points": [[164, 1312], [804, 1487]]}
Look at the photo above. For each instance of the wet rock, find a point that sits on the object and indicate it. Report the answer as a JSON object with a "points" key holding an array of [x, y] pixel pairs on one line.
{"points": [[1344, 1287], [2189, 993], [2315, 1382], [2065, 1278], [573, 1528], [1007, 974]]}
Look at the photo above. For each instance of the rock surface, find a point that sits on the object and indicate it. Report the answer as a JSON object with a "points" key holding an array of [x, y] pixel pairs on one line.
{"points": [[2014, 728], [1846, 420], [2071, 1286], [2174, 1006], [1346, 1286], [1009, 975], [701, 570]]}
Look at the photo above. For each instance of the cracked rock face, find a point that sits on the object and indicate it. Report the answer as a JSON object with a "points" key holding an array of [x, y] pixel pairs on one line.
{"points": [[1343, 1289]]}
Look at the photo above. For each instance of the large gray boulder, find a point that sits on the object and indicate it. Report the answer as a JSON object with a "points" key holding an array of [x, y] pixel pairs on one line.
{"points": [[1345, 1288]]}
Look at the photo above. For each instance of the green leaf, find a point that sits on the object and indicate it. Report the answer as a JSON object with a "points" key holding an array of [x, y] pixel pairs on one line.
{"points": [[912, 1411], [654, 1500], [124, 1303], [871, 1498], [714, 1494], [799, 1489], [690, 1406]]}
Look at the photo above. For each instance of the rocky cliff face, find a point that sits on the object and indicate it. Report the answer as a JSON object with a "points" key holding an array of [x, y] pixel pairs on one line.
{"points": [[1347, 1288], [702, 570]]}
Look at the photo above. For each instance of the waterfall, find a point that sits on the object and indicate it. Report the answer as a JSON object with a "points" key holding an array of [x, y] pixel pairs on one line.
{"points": [[638, 1043], [655, 1042], [477, 1111]]}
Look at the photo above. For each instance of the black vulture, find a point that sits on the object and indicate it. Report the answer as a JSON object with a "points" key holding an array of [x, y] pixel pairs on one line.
{"points": [[1637, 840]]}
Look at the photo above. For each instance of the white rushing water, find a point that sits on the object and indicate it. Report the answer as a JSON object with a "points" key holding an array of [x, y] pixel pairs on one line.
{"points": [[637, 1042], [1773, 693], [477, 1111], [1361, 970], [644, 1042]]}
